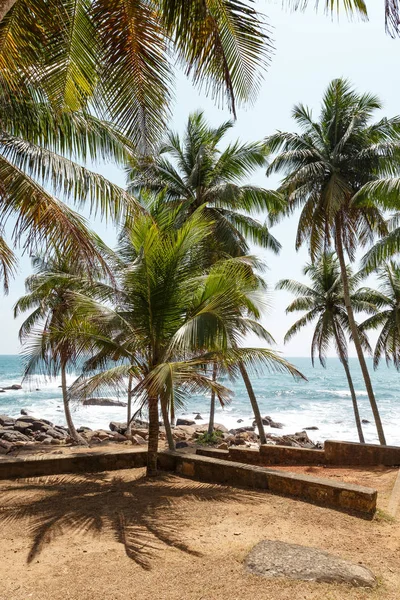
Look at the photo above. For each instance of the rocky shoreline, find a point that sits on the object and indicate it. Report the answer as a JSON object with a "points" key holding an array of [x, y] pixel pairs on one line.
{"points": [[28, 432]]}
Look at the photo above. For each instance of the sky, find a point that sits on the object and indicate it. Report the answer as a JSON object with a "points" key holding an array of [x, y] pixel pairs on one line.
{"points": [[310, 50]]}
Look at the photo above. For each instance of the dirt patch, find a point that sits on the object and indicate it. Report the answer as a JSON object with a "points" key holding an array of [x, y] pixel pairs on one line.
{"points": [[116, 535]]}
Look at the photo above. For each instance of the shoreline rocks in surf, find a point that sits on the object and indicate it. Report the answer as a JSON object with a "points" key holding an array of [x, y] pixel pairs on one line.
{"points": [[30, 432]]}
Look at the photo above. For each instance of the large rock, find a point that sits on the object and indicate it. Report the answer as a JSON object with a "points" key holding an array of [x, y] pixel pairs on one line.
{"points": [[14, 386], [217, 427], [185, 422], [103, 402], [118, 427], [6, 421], [14, 436], [279, 559]]}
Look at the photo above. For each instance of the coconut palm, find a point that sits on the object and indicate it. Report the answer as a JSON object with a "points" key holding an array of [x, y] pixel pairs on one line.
{"points": [[119, 57], [326, 166], [172, 318], [323, 302], [387, 319], [41, 154], [48, 349], [196, 172]]}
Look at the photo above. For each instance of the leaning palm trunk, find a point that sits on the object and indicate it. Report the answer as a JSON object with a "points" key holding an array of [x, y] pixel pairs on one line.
{"points": [[254, 403], [153, 437], [167, 425], [354, 333], [344, 361], [128, 431], [212, 403], [78, 439]]}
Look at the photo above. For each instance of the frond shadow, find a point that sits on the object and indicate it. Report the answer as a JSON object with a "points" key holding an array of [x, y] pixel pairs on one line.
{"points": [[143, 515]]}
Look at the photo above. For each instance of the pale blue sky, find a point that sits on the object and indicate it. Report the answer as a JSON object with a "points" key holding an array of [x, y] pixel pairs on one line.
{"points": [[310, 50]]}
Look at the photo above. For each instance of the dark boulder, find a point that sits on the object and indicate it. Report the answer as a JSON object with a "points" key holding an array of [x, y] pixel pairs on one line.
{"points": [[198, 417], [365, 421], [103, 402], [118, 427], [181, 445], [185, 422], [241, 430], [24, 412], [15, 436], [313, 428], [14, 386]]}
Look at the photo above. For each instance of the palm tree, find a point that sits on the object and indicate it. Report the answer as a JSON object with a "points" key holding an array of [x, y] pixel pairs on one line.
{"points": [[40, 154], [195, 172], [387, 319], [324, 301], [119, 57], [48, 348], [326, 166], [172, 318]]}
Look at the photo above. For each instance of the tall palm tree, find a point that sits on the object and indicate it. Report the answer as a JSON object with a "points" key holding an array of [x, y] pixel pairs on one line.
{"points": [[173, 317], [326, 167], [324, 303], [47, 346], [387, 319], [196, 172]]}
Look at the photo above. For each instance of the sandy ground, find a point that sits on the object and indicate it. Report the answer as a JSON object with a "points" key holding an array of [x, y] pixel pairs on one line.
{"points": [[116, 535]]}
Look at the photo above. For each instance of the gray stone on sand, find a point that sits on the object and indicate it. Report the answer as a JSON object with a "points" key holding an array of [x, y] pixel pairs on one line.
{"points": [[279, 559]]}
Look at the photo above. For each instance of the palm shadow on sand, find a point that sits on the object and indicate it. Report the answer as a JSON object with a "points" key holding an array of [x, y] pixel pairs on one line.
{"points": [[142, 514]]}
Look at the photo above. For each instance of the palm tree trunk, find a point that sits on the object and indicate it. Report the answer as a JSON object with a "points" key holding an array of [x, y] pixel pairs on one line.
{"points": [[153, 438], [354, 333], [128, 431], [254, 403], [167, 425], [5, 7], [78, 439], [212, 403], [345, 364]]}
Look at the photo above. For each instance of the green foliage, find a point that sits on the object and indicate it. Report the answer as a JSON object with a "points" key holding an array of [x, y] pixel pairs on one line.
{"points": [[210, 439]]}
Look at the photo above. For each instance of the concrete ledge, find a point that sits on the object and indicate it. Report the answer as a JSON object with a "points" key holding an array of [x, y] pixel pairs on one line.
{"points": [[268, 455], [345, 497], [353, 453], [88, 462]]}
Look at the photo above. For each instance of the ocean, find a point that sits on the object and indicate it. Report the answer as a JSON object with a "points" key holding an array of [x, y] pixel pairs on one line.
{"points": [[323, 401]]}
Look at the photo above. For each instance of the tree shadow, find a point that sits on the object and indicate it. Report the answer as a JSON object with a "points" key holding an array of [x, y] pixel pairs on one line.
{"points": [[142, 514]]}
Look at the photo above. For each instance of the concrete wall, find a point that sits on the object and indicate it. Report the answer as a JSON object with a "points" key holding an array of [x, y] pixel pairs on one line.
{"points": [[345, 497], [268, 455], [88, 462], [334, 453], [352, 453]]}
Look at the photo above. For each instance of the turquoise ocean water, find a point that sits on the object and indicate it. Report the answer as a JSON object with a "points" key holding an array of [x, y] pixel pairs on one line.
{"points": [[323, 401]]}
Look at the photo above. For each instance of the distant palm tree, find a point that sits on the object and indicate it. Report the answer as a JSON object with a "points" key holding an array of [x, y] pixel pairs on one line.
{"points": [[387, 319], [326, 167], [323, 302], [47, 346], [172, 318]]}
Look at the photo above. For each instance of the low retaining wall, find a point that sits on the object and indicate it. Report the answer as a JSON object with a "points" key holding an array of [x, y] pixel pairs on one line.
{"points": [[339, 454], [352, 453], [88, 462], [268, 455], [345, 497]]}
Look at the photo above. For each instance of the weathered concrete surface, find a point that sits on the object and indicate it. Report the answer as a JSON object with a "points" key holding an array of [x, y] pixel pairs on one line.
{"points": [[279, 559], [324, 492], [353, 453]]}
